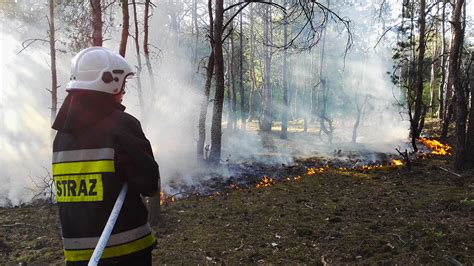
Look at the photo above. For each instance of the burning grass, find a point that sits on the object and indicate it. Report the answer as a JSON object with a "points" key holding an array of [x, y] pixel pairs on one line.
{"points": [[386, 215], [437, 148]]}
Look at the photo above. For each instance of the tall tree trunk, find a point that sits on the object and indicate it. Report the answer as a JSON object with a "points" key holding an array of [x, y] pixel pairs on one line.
{"points": [[232, 82], [470, 126], [314, 98], [418, 112], [323, 94], [125, 28], [359, 107], [195, 32], [357, 123], [243, 114], [411, 73], [266, 119], [454, 74], [307, 95], [153, 203], [216, 128], [442, 83], [285, 111], [146, 50], [450, 99], [230, 92], [401, 35], [434, 72], [139, 60], [52, 46], [295, 103], [252, 67], [201, 155], [96, 23], [174, 25]]}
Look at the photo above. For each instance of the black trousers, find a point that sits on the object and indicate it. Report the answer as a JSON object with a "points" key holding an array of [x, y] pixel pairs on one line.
{"points": [[141, 259]]}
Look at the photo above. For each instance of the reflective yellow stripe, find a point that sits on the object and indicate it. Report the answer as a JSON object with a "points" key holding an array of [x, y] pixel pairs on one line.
{"points": [[83, 155], [79, 188], [114, 240], [83, 167], [109, 252]]}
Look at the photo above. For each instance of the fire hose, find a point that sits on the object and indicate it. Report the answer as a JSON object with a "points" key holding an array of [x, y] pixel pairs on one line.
{"points": [[104, 237]]}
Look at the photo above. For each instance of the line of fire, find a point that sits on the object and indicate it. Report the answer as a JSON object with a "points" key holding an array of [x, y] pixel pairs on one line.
{"points": [[432, 148]]}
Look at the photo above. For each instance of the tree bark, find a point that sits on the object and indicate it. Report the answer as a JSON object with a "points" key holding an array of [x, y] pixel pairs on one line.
{"points": [[434, 72], [251, 111], [203, 111], [228, 87], [243, 114], [314, 99], [233, 91], [146, 50], [216, 128], [470, 126], [201, 155], [96, 23], [266, 119], [442, 83], [52, 46], [450, 99], [285, 111], [415, 125], [195, 32], [153, 202], [454, 74], [323, 94], [125, 28]]}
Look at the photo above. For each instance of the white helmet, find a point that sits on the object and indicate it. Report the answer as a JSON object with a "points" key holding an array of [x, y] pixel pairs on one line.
{"points": [[98, 69]]}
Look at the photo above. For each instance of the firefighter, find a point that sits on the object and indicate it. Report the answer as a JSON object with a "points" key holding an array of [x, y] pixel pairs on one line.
{"points": [[97, 148]]}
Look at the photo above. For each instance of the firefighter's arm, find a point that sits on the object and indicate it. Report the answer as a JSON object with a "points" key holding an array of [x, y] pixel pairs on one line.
{"points": [[141, 170]]}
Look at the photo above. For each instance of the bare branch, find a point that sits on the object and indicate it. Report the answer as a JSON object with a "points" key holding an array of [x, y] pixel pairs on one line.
{"points": [[25, 44], [234, 15]]}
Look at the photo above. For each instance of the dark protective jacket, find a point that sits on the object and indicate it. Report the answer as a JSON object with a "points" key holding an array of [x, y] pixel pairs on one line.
{"points": [[97, 148]]}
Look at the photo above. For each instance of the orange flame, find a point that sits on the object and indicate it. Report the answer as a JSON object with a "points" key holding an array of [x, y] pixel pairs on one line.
{"points": [[396, 162], [436, 147], [265, 182], [165, 199], [313, 171]]}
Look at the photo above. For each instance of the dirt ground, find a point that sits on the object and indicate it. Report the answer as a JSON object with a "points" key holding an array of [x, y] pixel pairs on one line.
{"points": [[388, 215]]}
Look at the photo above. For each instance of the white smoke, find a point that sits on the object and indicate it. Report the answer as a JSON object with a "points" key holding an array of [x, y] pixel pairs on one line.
{"points": [[24, 112], [171, 118]]}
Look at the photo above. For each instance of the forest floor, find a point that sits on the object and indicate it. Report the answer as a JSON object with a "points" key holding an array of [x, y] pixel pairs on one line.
{"points": [[334, 216]]}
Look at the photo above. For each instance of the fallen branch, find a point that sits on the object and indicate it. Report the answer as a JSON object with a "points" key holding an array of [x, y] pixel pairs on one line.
{"points": [[18, 224], [453, 260], [406, 158], [399, 237], [241, 245], [451, 172]]}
